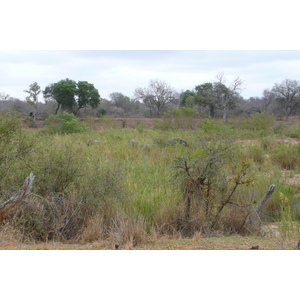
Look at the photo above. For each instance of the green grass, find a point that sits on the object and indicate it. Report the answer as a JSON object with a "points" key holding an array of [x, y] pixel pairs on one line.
{"points": [[140, 180]]}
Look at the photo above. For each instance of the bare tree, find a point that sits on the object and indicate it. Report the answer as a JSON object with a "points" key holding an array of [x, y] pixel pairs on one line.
{"points": [[287, 93], [156, 97], [227, 95], [4, 97], [268, 98]]}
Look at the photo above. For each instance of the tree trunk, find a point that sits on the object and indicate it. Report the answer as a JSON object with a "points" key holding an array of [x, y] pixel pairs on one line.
{"points": [[224, 114], [35, 113], [17, 198], [57, 108]]}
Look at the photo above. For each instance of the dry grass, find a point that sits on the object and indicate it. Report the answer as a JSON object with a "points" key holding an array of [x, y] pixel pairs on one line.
{"points": [[9, 237], [234, 242]]}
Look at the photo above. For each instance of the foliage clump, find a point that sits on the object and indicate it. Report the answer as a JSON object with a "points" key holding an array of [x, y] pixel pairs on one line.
{"points": [[65, 123]]}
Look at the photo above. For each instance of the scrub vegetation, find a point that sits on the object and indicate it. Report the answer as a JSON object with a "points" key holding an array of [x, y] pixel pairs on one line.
{"points": [[131, 187]]}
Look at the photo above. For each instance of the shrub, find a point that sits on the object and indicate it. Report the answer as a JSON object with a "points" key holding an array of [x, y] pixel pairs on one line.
{"points": [[254, 153], [181, 117], [210, 126], [292, 131], [256, 121], [209, 183], [286, 156], [65, 123], [101, 112], [182, 111]]}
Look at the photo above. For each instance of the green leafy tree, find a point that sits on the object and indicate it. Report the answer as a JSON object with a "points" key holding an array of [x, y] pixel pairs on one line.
{"points": [[63, 92], [185, 96], [206, 97], [87, 95], [33, 91], [72, 96]]}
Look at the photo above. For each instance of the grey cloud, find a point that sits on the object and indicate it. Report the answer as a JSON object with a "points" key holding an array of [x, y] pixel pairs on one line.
{"points": [[123, 71]]}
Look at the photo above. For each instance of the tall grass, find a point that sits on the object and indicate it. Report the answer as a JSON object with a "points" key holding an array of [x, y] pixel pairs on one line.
{"points": [[126, 191]]}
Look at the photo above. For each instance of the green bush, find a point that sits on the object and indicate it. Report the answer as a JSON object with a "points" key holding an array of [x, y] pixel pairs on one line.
{"points": [[210, 126], [101, 112], [64, 124]]}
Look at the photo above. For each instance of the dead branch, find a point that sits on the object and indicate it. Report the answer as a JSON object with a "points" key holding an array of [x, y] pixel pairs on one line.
{"points": [[255, 217], [17, 198]]}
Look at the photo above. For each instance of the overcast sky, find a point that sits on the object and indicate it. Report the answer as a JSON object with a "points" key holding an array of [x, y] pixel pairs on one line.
{"points": [[125, 70]]}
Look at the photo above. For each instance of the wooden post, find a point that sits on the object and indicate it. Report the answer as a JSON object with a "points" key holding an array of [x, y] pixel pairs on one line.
{"points": [[17, 198]]}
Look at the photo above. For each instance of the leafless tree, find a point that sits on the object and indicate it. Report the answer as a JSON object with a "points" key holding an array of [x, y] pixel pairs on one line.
{"points": [[287, 93], [4, 97], [227, 95], [157, 96], [268, 98]]}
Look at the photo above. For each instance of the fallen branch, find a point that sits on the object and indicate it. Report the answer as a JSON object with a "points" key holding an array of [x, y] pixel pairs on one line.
{"points": [[17, 198]]}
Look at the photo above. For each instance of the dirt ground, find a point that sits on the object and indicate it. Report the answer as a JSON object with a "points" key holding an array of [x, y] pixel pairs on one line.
{"points": [[213, 243], [271, 238]]}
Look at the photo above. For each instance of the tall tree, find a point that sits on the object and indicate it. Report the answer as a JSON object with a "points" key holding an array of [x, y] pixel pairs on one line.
{"points": [[4, 97], [217, 96], [63, 92], [287, 93], [72, 96], [87, 95], [268, 98], [33, 91], [206, 96], [227, 96], [186, 96], [156, 97]]}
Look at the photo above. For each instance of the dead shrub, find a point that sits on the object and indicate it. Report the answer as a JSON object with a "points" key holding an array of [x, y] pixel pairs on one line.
{"points": [[168, 219], [197, 236], [127, 232], [51, 218], [94, 229], [10, 236], [234, 220]]}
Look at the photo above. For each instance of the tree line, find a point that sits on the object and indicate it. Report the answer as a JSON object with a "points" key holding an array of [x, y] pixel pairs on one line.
{"points": [[216, 99]]}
